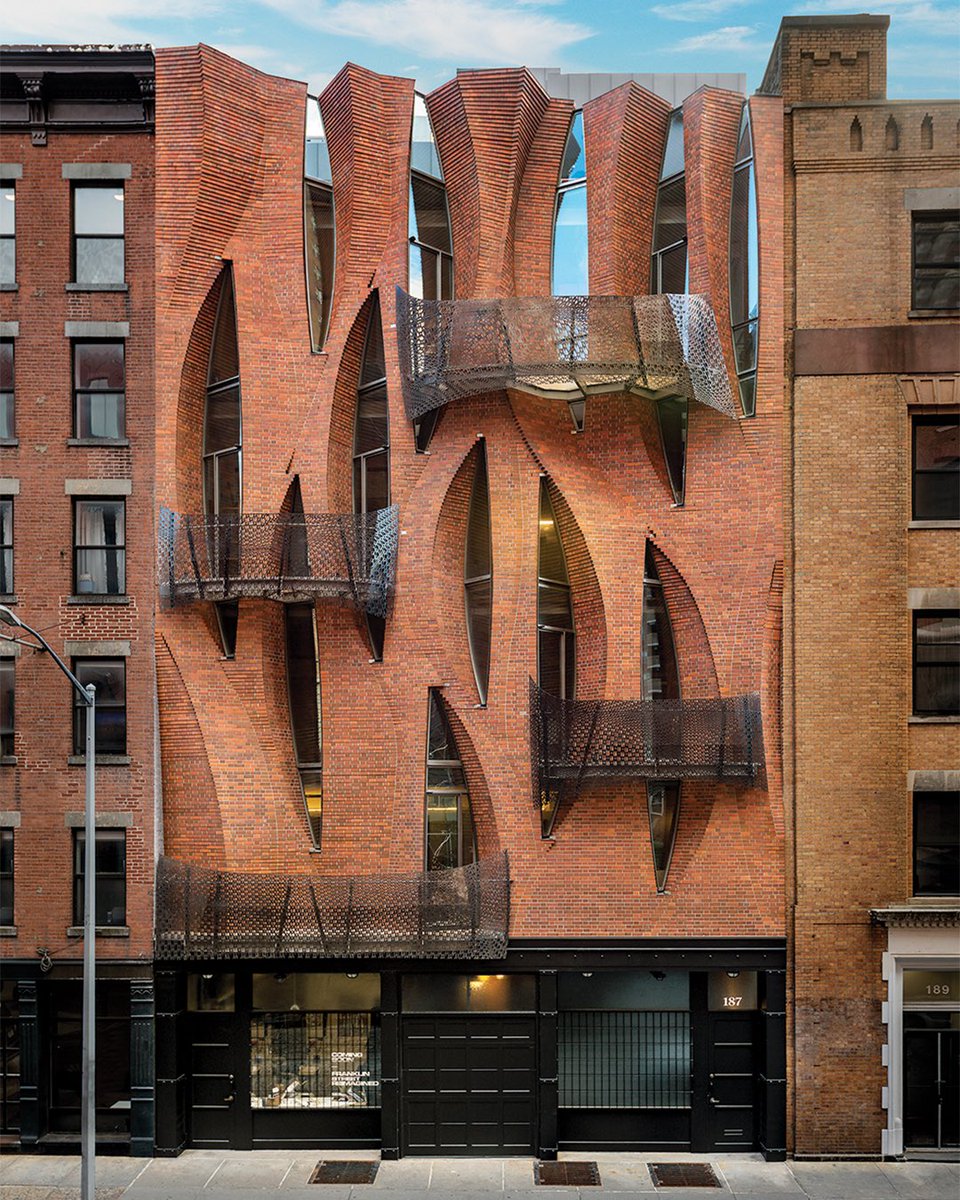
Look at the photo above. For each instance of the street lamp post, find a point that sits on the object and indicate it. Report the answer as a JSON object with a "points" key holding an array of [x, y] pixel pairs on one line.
{"points": [[88, 1109]]}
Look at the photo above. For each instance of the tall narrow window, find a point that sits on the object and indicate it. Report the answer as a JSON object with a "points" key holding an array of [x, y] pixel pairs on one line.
{"points": [[99, 388], [663, 813], [319, 239], [100, 552], [936, 663], [936, 467], [8, 231], [661, 680], [450, 837], [7, 427], [110, 887], [668, 269], [570, 236], [6, 545], [7, 706], [303, 684], [221, 426], [478, 574], [672, 419], [556, 639], [109, 677], [98, 235], [745, 267], [6, 878], [936, 843], [936, 260], [371, 443]]}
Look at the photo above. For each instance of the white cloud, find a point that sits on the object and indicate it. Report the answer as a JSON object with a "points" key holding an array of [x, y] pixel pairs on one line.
{"points": [[465, 31], [731, 39], [95, 21], [695, 10], [928, 16]]}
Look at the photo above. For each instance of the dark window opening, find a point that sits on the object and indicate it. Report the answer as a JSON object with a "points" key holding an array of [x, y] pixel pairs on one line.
{"points": [[99, 539], [9, 1057], [320, 241], [450, 835], [936, 843], [371, 444], [99, 390], [6, 877], [556, 659], [6, 546], [7, 706], [672, 419], [745, 267], [936, 467], [936, 260], [668, 268], [109, 677], [7, 424], [663, 812], [303, 687], [222, 440], [65, 1056], [111, 876], [936, 663], [228, 617], [478, 575], [661, 679], [98, 233]]}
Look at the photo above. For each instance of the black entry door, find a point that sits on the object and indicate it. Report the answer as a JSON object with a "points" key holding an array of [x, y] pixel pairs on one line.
{"points": [[219, 1074], [931, 1090], [469, 1085], [732, 1090]]}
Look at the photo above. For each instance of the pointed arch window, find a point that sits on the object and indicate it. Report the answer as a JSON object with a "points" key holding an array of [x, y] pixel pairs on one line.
{"points": [[745, 268], [661, 679], [663, 813], [668, 268], [371, 443], [556, 636], [303, 688], [222, 477], [672, 420], [570, 273], [319, 227], [478, 574], [450, 837]]}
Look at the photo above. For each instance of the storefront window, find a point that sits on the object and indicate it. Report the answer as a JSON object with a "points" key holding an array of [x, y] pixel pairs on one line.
{"points": [[211, 993], [469, 993]]}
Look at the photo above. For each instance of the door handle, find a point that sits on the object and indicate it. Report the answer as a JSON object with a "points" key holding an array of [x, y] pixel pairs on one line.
{"points": [[230, 1099]]}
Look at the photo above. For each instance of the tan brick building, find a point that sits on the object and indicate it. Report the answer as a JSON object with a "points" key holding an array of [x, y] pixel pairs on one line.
{"points": [[871, 720]]}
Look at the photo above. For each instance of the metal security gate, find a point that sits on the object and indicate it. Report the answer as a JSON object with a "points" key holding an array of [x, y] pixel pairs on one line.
{"points": [[468, 1085]]}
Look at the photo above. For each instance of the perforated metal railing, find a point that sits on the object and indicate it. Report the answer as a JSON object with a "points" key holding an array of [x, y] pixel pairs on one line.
{"points": [[563, 346], [208, 914], [574, 741], [280, 556]]}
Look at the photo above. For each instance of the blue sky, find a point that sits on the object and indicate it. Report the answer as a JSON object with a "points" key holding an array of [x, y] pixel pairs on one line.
{"points": [[429, 39]]}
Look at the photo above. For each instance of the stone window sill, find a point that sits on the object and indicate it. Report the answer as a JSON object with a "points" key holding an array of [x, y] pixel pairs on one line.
{"points": [[929, 314], [102, 760], [952, 719], [9, 598], [8, 760], [108, 442], [934, 525], [8, 931], [9, 287], [88, 599], [9, 441], [96, 287], [109, 931]]}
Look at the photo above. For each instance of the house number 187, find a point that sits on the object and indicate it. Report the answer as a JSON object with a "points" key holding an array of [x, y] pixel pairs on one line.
{"points": [[732, 1001]]}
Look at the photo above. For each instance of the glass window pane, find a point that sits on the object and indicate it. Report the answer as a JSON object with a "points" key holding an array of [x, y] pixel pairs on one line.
{"points": [[479, 597], [672, 415], [748, 394], [434, 993], [315, 992], [101, 415], [428, 213], [936, 287], [316, 164], [745, 346], [6, 855], [6, 365], [303, 682], [111, 851], [423, 147], [549, 654], [99, 366], [107, 675], [222, 428], [673, 271], [372, 428], [100, 522], [228, 483], [373, 367], [98, 210], [99, 260], [570, 244], [224, 354], [554, 607], [663, 810], [478, 550], [671, 224], [8, 260], [502, 993], [377, 481], [745, 144], [211, 993], [552, 564], [673, 151], [443, 831], [662, 991], [320, 242], [311, 1060], [936, 241], [937, 663], [8, 209], [936, 843], [574, 164]]}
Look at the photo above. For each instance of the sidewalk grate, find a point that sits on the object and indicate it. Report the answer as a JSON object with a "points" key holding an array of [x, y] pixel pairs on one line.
{"points": [[345, 1171], [685, 1175], [575, 1174]]}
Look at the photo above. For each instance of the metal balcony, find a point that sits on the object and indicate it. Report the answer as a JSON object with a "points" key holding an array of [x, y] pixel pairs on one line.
{"points": [[208, 914], [286, 556], [576, 741], [567, 347]]}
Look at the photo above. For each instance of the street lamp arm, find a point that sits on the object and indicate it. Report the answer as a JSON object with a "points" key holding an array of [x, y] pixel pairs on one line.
{"points": [[45, 647]]}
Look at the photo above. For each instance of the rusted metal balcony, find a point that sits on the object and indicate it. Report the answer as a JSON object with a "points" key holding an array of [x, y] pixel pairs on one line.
{"points": [[208, 914], [568, 347], [574, 742], [280, 556]]}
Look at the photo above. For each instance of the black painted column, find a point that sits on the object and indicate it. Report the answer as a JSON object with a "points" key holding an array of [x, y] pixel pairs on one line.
{"points": [[142, 1107], [701, 1141], [170, 1081], [390, 1065], [547, 1100], [31, 1098], [773, 1079]]}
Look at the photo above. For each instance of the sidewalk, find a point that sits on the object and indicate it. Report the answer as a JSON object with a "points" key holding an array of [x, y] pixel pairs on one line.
{"points": [[235, 1175]]}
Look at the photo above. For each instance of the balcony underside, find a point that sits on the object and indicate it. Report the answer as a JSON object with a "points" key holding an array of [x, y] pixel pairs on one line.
{"points": [[575, 742], [567, 347], [287, 556], [208, 914]]}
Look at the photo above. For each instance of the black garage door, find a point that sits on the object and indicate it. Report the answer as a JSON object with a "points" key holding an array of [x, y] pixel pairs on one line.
{"points": [[469, 1085]]}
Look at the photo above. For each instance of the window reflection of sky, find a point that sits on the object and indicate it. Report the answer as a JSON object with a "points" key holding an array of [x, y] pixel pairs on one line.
{"points": [[570, 274]]}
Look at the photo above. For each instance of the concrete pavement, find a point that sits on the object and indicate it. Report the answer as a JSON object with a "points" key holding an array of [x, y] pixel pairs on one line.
{"points": [[235, 1175]]}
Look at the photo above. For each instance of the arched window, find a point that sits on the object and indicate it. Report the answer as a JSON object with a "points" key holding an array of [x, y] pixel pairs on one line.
{"points": [[556, 637], [303, 688], [745, 268], [318, 222], [570, 275], [478, 574], [668, 268], [661, 680], [371, 443], [450, 839], [431, 240], [222, 477]]}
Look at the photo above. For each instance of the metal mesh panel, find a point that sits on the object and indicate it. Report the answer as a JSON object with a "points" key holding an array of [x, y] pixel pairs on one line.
{"points": [[203, 914], [624, 1059], [573, 741], [280, 556], [563, 346]]}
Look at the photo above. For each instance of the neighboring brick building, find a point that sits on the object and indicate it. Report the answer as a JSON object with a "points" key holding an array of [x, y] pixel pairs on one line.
{"points": [[77, 465], [871, 599]]}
